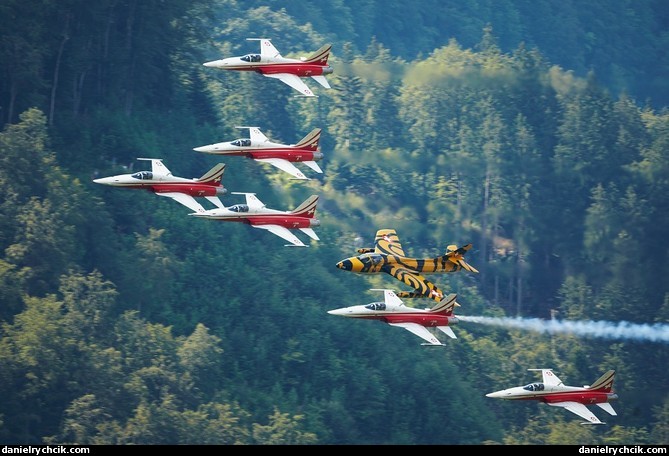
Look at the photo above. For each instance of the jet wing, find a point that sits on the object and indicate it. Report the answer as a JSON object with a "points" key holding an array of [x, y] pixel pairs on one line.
{"points": [[387, 241], [420, 331], [283, 165], [579, 409], [184, 199], [282, 232], [294, 81], [415, 280]]}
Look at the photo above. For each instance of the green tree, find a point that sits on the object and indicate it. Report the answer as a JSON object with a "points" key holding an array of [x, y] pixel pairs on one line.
{"points": [[282, 429]]}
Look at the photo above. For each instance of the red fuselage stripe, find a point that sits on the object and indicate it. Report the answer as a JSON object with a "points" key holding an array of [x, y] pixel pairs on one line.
{"points": [[429, 320], [298, 69], [188, 189], [583, 397], [296, 155]]}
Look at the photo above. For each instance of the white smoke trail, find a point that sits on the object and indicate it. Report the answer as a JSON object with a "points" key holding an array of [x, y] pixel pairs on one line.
{"points": [[657, 332]]}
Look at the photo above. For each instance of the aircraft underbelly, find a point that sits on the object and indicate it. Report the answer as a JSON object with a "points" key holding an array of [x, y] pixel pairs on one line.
{"points": [[421, 319], [288, 222], [290, 155], [300, 70], [576, 396], [188, 189]]}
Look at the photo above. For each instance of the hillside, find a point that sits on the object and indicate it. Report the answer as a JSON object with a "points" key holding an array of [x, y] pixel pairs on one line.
{"points": [[126, 321]]}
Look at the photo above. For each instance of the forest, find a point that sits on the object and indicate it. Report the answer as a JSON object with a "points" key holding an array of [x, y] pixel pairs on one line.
{"points": [[537, 131]]}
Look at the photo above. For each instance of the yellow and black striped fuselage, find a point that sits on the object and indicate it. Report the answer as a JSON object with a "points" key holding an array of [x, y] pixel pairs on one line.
{"points": [[372, 263]]}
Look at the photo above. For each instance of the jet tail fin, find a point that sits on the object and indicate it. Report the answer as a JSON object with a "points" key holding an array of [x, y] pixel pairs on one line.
{"points": [[446, 305], [311, 140], [307, 208], [320, 56], [604, 383], [456, 255], [214, 175]]}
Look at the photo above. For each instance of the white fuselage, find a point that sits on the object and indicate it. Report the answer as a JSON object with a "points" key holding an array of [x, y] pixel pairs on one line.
{"points": [[229, 146], [127, 180], [520, 392], [220, 214]]}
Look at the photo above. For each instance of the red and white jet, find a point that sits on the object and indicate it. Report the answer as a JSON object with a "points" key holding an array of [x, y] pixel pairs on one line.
{"points": [[256, 214], [183, 190], [261, 149], [573, 398], [270, 63], [395, 313]]}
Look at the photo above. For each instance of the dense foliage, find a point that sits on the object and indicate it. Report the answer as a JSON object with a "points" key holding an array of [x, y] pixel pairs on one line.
{"points": [[126, 321]]}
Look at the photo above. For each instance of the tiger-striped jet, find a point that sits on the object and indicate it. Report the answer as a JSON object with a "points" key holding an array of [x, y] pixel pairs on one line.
{"points": [[259, 148], [256, 214], [272, 64], [395, 313], [388, 256], [182, 190], [573, 398]]}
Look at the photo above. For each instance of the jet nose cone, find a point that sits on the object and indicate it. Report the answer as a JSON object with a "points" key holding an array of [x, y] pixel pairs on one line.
{"points": [[200, 149], [344, 264], [495, 394]]}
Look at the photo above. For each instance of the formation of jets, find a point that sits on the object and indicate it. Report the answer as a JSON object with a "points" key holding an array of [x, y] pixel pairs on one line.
{"points": [[393, 311], [387, 255], [259, 148], [572, 398]]}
